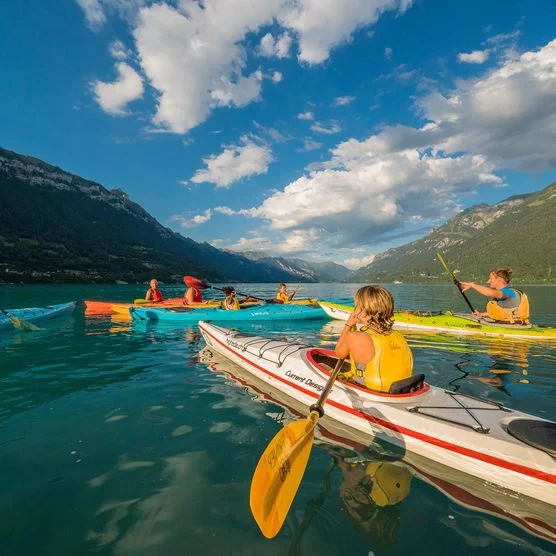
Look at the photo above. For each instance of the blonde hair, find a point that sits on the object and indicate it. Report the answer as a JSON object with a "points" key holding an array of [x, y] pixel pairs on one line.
{"points": [[378, 303], [504, 273]]}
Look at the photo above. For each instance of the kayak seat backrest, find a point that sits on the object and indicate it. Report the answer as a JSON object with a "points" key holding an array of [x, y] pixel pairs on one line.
{"points": [[407, 385]]}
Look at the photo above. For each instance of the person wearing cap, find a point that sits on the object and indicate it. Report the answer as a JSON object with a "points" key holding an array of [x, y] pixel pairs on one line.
{"points": [[193, 294], [230, 303]]}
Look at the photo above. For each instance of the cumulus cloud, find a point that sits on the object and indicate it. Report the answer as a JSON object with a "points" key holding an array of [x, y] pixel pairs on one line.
{"points": [[403, 176], [320, 26], [329, 129], [298, 241], [194, 53], [277, 77], [194, 221], [342, 101], [475, 57], [94, 14], [279, 47], [234, 163], [114, 97], [306, 116], [118, 50], [357, 262]]}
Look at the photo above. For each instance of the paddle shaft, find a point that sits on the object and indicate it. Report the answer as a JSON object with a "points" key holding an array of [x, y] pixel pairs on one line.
{"points": [[13, 319], [456, 282], [326, 391], [294, 292]]}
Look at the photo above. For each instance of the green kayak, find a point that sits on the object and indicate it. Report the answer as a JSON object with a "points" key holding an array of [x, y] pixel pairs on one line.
{"points": [[454, 323]]}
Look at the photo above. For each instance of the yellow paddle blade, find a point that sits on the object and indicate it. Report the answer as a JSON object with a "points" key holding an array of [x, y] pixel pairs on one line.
{"points": [[279, 473], [26, 326], [140, 300], [439, 257]]}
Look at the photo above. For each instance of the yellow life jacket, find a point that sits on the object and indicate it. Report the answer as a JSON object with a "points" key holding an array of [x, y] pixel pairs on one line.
{"points": [[226, 306], [393, 361], [519, 314], [282, 297]]}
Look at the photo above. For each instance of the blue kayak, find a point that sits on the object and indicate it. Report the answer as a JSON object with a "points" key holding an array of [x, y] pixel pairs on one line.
{"points": [[255, 312], [36, 314]]}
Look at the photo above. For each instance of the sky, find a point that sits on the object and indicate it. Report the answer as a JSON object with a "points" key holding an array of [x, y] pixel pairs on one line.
{"points": [[328, 130]]}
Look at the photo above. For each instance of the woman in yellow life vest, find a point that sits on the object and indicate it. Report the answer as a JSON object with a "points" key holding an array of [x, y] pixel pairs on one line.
{"points": [[230, 303], [379, 355], [283, 294], [508, 304]]}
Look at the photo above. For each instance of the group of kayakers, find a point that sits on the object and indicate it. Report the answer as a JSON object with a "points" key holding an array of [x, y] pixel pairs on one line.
{"points": [[194, 294], [379, 355]]}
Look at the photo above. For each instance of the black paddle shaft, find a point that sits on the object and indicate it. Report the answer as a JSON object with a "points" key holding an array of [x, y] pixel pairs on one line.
{"points": [[245, 294], [324, 395]]}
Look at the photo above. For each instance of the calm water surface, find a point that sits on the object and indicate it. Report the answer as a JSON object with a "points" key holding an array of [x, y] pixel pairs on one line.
{"points": [[115, 438]]}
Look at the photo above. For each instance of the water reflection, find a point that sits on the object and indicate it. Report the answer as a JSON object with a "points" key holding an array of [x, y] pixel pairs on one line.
{"points": [[376, 479]]}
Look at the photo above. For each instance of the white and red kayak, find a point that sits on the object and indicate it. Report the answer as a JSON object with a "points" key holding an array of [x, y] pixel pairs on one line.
{"points": [[502, 446]]}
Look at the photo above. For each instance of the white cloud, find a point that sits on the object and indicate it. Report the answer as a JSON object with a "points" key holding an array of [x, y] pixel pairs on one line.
{"points": [[94, 14], [305, 116], [406, 175], [234, 163], [331, 129], [357, 262], [114, 97], [475, 57], [388, 53], [342, 101], [194, 54], [297, 241], [118, 50], [321, 26], [192, 222], [280, 47], [277, 77], [310, 145]]}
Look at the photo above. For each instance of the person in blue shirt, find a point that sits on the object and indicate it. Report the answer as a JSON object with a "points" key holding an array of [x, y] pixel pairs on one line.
{"points": [[505, 301]]}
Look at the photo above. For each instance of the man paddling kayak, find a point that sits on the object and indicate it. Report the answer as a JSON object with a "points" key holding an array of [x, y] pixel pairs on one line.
{"points": [[379, 355], [193, 294], [507, 304], [154, 295]]}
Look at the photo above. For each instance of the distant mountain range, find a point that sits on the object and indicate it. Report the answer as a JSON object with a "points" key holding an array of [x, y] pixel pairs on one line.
{"points": [[58, 227], [519, 232], [325, 272]]}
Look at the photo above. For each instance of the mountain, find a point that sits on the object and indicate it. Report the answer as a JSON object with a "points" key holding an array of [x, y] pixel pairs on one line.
{"points": [[517, 232], [58, 227], [304, 270]]}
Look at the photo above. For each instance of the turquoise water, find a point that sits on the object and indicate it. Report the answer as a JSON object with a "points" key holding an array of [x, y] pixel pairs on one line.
{"points": [[116, 439]]}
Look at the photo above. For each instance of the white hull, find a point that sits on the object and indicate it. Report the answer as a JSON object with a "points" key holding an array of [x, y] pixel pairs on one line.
{"points": [[493, 456]]}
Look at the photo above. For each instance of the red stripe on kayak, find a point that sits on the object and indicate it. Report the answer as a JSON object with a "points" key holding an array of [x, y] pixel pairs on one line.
{"points": [[542, 475]]}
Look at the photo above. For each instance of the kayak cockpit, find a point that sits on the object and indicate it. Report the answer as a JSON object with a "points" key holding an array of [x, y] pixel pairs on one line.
{"points": [[326, 361], [536, 433]]}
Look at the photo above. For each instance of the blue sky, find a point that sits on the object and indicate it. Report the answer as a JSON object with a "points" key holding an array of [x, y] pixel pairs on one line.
{"points": [[327, 130]]}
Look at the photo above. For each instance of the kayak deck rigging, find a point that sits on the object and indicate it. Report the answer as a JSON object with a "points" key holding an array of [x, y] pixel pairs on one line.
{"points": [[459, 399]]}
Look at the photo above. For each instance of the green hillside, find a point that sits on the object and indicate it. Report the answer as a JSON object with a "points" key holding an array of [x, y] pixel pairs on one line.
{"points": [[519, 232]]}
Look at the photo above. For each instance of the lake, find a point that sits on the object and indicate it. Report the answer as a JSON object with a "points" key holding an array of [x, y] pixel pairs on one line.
{"points": [[126, 438]]}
